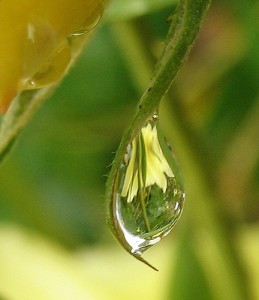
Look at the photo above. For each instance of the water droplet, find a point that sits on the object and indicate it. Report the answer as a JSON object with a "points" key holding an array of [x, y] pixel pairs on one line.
{"points": [[91, 20], [148, 193], [51, 70]]}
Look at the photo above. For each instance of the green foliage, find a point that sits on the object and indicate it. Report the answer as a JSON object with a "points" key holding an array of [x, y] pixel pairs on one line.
{"points": [[127, 9], [189, 272]]}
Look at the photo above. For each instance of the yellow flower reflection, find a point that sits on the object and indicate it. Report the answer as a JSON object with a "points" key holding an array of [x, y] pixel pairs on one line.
{"points": [[147, 164]]}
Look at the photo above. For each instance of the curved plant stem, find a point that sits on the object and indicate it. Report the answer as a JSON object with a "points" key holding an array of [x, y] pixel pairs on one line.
{"points": [[185, 25], [20, 112], [204, 211]]}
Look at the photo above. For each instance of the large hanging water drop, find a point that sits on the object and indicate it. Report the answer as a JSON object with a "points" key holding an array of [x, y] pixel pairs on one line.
{"points": [[148, 193]]}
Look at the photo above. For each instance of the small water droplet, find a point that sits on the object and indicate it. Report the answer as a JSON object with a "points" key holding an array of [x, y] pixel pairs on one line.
{"points": [[91, 20], [51, 70], [147, 192]]}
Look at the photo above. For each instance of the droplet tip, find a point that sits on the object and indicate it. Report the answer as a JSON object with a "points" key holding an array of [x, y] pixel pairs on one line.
{"points": [[138, 257]]}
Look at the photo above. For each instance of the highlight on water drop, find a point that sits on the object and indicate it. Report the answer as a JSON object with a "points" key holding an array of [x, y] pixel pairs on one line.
{"points": [[91, 19], [148, 193]]}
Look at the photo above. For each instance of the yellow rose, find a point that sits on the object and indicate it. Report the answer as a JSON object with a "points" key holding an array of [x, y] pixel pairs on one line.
{"points": [[35, 47]]}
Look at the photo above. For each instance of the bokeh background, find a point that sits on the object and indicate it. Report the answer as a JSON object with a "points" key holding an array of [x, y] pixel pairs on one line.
{"points": [[54, 243]]}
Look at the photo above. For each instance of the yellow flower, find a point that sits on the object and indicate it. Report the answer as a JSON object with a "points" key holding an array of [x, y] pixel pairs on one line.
{"points": [[35, 48], [147, 164]]}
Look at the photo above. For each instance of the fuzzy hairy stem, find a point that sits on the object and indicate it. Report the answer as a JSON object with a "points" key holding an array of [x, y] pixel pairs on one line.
{"points": [[185, 25]]}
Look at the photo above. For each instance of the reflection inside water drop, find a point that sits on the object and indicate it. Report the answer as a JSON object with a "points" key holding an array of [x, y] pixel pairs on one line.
{"points": [[148, 195]]}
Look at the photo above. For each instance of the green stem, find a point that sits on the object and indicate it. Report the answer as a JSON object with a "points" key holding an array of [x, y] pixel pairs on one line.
{"points": [[204, 210], [185, 25], [142, 181], [23, 108], [18, 115]]}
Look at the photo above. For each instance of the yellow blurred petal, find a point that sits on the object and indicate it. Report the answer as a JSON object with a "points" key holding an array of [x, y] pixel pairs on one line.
{"points": [[33, 35]]}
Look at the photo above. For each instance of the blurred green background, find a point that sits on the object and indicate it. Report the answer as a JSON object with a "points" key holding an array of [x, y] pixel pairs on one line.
{"points": [[54, 243]]}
